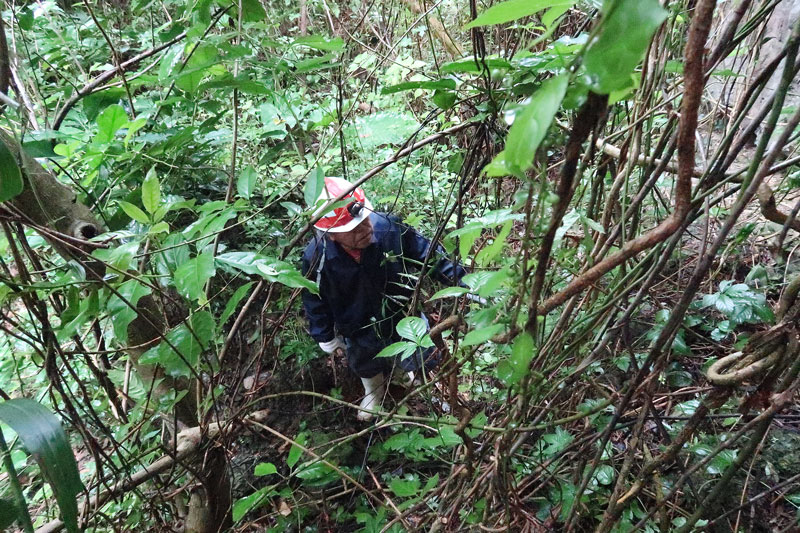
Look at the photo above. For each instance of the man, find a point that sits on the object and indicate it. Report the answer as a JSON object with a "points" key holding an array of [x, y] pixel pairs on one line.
{"points": [[361, 260]]}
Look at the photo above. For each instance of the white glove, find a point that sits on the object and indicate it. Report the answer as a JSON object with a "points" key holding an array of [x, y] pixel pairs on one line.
{"points": [[475, 298], [332, 345]]}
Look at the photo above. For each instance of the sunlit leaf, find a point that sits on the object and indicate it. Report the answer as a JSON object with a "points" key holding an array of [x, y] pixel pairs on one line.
{"points": [[109, 123], [151, 191], [191, 277]]}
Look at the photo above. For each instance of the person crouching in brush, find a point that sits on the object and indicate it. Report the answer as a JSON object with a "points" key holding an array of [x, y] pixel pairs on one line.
{"points": [[361, 259]]}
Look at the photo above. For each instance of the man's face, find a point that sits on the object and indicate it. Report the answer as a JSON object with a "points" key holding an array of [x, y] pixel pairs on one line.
{"points": [[357, 238]]}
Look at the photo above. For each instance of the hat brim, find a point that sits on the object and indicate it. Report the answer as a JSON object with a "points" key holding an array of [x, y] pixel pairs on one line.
{"points": [[354, 222]]}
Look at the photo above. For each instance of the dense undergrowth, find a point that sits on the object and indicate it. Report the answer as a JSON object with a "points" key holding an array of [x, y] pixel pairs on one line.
{"points": [[620, 178]]}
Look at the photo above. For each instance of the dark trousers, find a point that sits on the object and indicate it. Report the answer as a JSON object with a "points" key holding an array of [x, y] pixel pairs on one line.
{"points": [[362, 349]]}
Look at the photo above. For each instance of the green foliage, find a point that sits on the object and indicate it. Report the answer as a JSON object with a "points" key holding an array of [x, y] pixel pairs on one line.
{"points": [[511, 10], [626, 30], [10, 175], [44, 438]]}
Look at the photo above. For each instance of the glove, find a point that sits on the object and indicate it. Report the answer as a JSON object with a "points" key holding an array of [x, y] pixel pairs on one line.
{"points": [[332, 345], [475, 298]]}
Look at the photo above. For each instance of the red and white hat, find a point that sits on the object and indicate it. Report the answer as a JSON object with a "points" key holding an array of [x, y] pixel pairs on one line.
{"points": [[344, 218]]}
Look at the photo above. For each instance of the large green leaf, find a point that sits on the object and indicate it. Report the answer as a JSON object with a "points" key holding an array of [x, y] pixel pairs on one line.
{"points": [[446, 84], [315, 185], [319, 42], [151, 191], [42, 434], [10, 175], [627, 27], [412, 328], [246, 182], [118, 307], [109, 122], [513, 10], [233, 303], [191, 277], [516, 367], [531, 124]]}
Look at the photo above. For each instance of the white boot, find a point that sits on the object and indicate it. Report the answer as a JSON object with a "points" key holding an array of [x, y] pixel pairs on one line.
{"points": [[374, 390], [404, 379]]}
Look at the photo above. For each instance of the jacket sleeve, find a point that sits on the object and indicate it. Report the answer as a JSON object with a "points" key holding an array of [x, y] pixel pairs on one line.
{"points": [[416, 247], [320, 318]]}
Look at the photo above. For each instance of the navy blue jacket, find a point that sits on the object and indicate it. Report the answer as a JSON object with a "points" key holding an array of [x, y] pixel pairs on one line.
{"points": [[369, 298]]}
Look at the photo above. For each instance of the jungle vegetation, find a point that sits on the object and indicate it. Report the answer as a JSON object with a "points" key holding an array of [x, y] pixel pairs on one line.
{"points": [[620, 177]]}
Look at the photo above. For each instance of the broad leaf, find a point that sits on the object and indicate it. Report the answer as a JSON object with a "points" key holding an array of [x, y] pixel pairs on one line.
{"points": [[516, 367], [246, 182], [151, 191], [10, 176], [248, 503], [318, 42], [447, 292], [627, 27], [233, 303], [41, 432], [469, 66], [265, 469], [408, 85], [191, 277], [412, 328], [404, 488], [315, 185], [134, 212], [480, 336], [109, 123], [515, 9], [531, 124], [403, 349], [180, 353]]}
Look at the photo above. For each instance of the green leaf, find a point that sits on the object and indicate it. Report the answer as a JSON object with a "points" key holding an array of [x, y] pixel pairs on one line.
{"points": [[122, 313], [627, 27], [191, 277], [95, 102], [134, 212], [296, 451], [286, 274], [431, 85], [151, 191], [479, 336], [248, 503], [247, 262], [246, 182], [604, 475], [516, 367], [10, 176], [188, 339], [444, 99], [314, 187], [42, 434], [265, 469], [412, 328], [402, 348], [531, 124], [469, 66], [447, 292], [513, 10], [319, 42], [488, 253], [403, 488], [233, 303], [109, 122], [253, 11]]}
